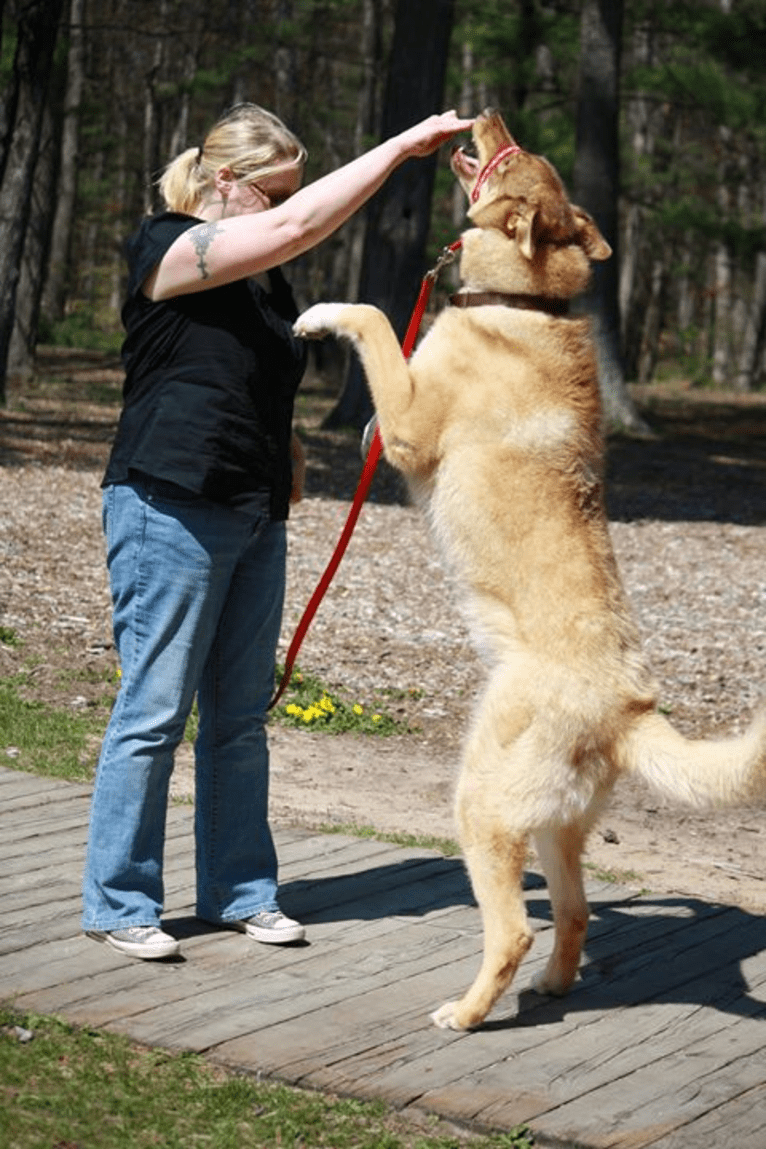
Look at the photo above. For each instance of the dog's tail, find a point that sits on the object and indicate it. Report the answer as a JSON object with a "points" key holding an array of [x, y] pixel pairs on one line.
{"points": [[699, 773]]}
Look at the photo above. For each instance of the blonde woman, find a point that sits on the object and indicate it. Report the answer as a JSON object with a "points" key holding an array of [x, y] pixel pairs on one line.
{"points": [[196, 494]]}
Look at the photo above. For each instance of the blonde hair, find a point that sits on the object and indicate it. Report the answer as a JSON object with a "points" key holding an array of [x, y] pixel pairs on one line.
{"points": [[250, 141]]}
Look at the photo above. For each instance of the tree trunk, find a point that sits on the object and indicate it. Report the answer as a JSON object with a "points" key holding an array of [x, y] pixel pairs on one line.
{"points": [[37, 29], [151, 136], [596, 188], [746, 376], [117, 270], [722, 275], [285, 70], [632, 249], [465, 110], [650, 343], [398, 216], [363, 130], [54, 292], [21, 354]]}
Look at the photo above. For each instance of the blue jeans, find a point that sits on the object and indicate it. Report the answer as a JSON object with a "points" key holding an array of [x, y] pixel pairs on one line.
{"points": [[197, 590]]}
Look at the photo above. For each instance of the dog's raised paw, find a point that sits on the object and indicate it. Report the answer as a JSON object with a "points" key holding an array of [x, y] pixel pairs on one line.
{"points": [[318, 320]]}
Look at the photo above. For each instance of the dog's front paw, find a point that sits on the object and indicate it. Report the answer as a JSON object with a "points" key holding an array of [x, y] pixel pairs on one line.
{"points": [[445, 1017], [319, 320]]}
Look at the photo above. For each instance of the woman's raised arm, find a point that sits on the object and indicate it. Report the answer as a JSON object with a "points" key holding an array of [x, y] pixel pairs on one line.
{"points": [[223, 250]]}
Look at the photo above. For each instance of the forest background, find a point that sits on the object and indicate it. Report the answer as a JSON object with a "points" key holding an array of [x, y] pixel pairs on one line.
{"points": [[652, 111]]}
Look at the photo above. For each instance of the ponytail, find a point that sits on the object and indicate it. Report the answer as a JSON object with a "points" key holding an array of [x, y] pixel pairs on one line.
{"points": [[250, 141]]}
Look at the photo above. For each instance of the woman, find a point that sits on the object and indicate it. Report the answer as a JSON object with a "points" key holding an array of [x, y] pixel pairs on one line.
{"points": [[196, 496]]}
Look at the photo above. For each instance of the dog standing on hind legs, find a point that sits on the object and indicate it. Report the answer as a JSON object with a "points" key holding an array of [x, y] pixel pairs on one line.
{"points": [[495, 422]]}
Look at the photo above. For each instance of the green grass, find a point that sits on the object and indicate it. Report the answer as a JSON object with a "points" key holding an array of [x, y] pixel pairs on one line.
{"points": [[45, 740], [63, 743], [309, 704], [614, 877], [446, 846], [68, 1088]]}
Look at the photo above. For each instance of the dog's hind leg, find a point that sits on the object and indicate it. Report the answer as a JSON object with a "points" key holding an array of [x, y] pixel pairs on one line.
{"points": [[560, 851], [495, 865]]}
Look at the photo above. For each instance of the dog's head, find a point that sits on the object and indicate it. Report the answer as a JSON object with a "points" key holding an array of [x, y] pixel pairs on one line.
{"points": [[521, 194]]}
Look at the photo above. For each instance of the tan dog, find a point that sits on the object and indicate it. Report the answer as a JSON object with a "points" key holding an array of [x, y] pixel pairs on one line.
{"points": [[495, 421]]}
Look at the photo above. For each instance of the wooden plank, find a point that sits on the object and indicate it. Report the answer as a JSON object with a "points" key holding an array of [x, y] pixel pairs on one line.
{"points": [[398, 1082], [739, 1123], [669, 1092], [42, 886], [49, 818], [29, 802], [10, 777], [54, 962], [661, 1043], [603, 1050], [28, 925], [16, 786], [21, 870], [243, 987]]}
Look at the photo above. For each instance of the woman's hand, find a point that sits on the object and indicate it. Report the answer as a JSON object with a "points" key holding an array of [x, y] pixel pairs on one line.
{"points": [[430, 134]]}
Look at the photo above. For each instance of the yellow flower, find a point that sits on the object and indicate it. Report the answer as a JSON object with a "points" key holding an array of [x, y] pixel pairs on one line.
{"points": [[293, 710], [377, 717], [307, 716], [358, 709], [327, 704]]}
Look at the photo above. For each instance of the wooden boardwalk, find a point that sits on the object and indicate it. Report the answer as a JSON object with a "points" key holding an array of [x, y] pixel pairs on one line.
{"points": [[662, 1042]]}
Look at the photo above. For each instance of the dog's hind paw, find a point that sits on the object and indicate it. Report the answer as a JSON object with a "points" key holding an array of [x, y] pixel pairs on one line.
{"points": [[548, 986], [318, 320], [444, 1017]]}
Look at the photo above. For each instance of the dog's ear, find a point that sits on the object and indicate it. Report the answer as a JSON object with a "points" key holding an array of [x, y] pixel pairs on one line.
{"points": [[524, 226], [589, 237]]}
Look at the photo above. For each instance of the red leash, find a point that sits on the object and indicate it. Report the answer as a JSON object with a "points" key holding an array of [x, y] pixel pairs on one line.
{"points": [[373, 455]]}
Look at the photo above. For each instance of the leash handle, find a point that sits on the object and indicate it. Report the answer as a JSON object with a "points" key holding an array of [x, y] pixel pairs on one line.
{"points": [[368, 471]]}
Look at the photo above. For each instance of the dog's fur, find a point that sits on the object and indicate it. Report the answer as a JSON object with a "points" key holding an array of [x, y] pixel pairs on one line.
{"points": [[495, 422]]}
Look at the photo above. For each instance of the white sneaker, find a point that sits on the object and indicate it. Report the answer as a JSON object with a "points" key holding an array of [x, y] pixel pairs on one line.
{"points": [[270, 926], [147, 942]]}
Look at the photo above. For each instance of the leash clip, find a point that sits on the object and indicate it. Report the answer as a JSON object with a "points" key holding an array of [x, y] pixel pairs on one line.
{"points": [[447, 256]]}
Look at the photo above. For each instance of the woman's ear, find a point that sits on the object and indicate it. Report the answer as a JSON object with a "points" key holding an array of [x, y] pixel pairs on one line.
{"points": [[224, 179]]}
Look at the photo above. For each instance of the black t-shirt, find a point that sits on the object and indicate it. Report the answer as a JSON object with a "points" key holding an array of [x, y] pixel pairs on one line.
{"points": [[210, 380]]}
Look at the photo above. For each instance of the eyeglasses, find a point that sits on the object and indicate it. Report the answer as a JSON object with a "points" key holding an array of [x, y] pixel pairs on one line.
{"points": [[274, 198]]}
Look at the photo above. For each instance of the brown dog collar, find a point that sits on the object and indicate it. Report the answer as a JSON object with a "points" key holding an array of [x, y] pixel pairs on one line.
{"points": [[528, 302]]}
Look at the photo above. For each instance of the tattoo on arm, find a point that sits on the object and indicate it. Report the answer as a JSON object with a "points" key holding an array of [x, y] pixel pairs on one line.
{"points": [[201, 238]]}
